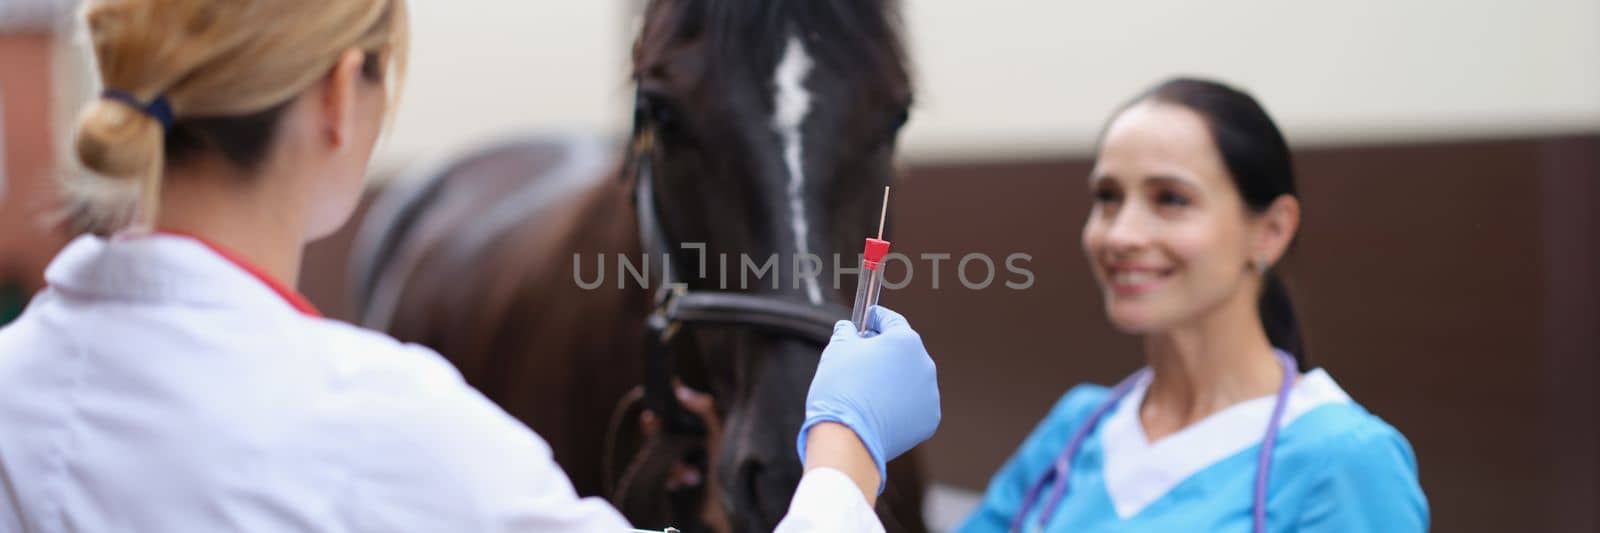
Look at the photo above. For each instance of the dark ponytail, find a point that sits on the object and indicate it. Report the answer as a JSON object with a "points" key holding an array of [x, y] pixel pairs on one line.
{"points": [[1277, 316], [1257, 157]]}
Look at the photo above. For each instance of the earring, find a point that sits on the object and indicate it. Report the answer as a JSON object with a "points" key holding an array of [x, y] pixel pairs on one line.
{"points": [[1260, 266]]}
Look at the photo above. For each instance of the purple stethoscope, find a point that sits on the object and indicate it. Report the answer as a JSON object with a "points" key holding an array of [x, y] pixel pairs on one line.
{"points": [[1063, 464]]}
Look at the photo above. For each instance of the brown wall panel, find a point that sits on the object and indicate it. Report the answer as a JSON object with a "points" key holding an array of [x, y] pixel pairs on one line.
{"points": [[1571, 184], [1421, 276]]}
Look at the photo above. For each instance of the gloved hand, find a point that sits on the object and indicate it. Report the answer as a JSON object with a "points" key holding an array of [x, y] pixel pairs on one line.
{"points": [[883, 386]]}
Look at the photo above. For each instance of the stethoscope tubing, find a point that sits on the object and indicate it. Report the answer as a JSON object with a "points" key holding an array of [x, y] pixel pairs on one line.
{"points": [[1062, 467]]}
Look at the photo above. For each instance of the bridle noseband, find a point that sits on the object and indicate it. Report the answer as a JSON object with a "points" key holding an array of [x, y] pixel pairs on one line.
{"points": [[677, 307], [639, 486]]}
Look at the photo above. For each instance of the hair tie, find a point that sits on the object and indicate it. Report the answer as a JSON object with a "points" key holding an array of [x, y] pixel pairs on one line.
{"points": [[158, 108]]}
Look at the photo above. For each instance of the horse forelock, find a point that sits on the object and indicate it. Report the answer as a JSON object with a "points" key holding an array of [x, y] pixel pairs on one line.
{"points": [[746, 39]]}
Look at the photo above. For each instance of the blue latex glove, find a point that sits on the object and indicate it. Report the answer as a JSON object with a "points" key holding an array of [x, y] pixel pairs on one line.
{"points": [[883, 386]]}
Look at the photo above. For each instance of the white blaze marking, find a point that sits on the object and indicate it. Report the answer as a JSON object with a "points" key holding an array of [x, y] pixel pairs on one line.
{"points": [[792, 102]]}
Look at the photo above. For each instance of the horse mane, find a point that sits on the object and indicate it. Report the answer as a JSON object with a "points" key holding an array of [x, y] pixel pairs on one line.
{"points": [[750, 36]]}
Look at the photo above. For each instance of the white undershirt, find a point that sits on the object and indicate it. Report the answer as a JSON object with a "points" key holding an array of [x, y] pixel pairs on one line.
{"points": [[1139, 472]]}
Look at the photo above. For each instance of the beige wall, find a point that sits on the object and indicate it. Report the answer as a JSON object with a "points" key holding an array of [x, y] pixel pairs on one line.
{"points": [[1034, 77], [487, 68], [1003, 78], [31, 15]]}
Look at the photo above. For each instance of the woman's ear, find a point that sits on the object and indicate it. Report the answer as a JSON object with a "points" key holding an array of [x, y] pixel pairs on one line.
{"points": [[339, 98], [1275, 230]]}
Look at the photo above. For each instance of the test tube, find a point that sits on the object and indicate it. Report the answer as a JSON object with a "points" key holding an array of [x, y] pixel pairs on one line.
{"points": [[869, 281]]}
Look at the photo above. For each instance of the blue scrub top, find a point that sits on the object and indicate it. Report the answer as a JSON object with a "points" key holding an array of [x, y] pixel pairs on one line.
{"points": [[1336, 468]]}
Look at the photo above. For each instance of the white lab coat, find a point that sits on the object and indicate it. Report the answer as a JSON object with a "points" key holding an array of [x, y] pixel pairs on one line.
{"points": [[159, 386]]}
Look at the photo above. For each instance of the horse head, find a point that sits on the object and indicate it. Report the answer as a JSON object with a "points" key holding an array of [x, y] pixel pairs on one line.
{"points": [[768, 130]]}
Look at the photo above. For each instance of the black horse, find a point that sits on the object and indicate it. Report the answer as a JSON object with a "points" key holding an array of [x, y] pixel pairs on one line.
{"points": [[762, 130]]}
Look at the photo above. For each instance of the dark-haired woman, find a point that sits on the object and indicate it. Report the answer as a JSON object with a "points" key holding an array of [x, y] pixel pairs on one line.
{"points": [[1225, 429]]}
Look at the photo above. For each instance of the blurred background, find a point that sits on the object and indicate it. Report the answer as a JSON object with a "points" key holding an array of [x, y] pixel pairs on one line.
{"points": [[1447, 274]]}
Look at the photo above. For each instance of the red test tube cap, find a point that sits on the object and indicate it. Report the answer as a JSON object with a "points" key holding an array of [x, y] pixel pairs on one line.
{"points": [[874, 252]]}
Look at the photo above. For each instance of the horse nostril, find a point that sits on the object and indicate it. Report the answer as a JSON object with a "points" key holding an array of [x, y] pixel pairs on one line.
{"points": [[750, 481], [752, 498]]}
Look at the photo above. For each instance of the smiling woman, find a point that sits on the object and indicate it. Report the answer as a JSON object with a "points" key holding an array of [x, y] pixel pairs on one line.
{"points": [[1194, 201], [1198, 155]]}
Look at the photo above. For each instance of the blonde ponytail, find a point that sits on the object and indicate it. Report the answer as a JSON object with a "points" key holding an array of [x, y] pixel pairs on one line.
{"points": [[208, 60], [123, 145]]}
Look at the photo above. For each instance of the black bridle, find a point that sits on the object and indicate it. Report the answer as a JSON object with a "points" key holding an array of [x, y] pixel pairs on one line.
{"points": [[676, 307], [640, 469]]}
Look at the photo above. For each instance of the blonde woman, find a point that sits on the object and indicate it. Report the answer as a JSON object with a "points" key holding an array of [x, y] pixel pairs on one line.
{"points": [[169, 379]]}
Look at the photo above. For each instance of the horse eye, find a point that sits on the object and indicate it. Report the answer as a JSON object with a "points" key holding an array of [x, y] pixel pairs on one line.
{"points": [[653, 111], [664, 117]]}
